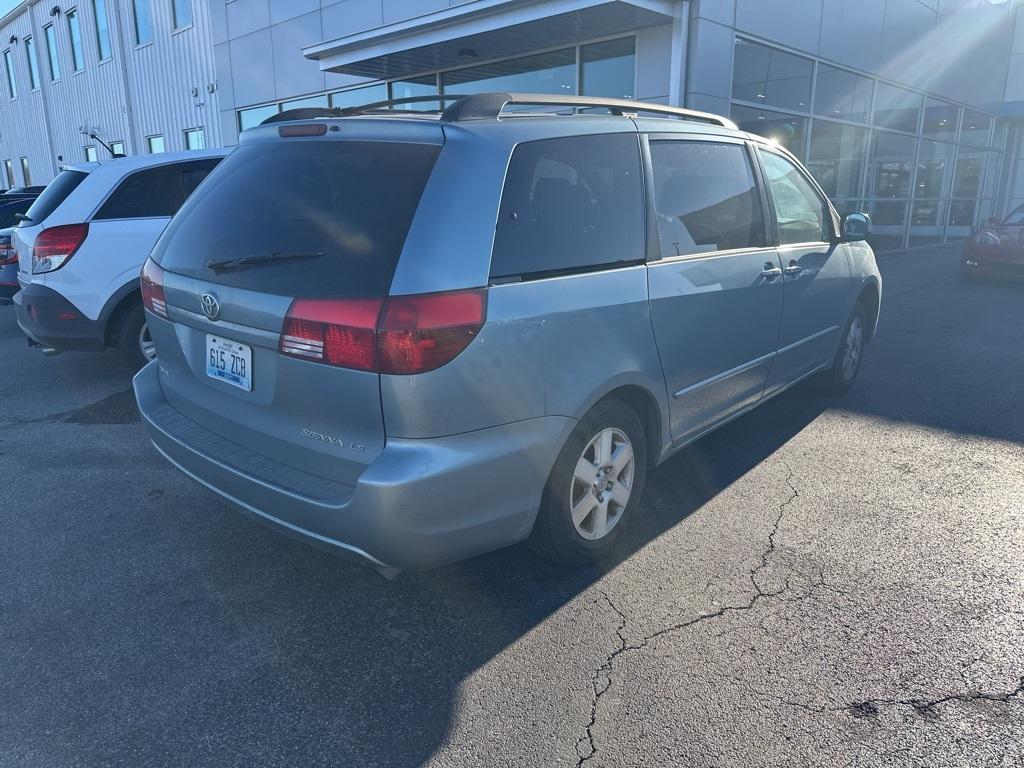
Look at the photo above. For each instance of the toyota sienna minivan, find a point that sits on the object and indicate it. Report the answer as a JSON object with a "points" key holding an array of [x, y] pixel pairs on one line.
{"points": [[418, 336]]}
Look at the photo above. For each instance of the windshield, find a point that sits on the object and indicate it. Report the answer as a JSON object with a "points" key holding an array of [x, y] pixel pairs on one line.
{"points": [[318, 218]]}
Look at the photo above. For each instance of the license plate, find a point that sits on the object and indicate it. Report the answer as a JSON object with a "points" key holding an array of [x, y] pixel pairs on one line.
{"points": [[229, 361]]}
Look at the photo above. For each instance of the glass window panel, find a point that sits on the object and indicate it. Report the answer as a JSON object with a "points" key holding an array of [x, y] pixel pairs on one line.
{"points": [[182, 13], [416, 86], [143, 21], [897, 108], [961, 213], [155, 144], [845, 207], [787, 130], [940, 120], [976, 128], [769, 76], [890, 164], [90, 154], [356, 97], [927, 222], [609, 68], [99, 12], [999, 134], [970, 167], [837, 157], [842, 94], [51, 52], [9, 171], [195, 139], [305, 102], [12, 84], [801, 213], [33, 65], [934, 169], [552, 73], [993, 171], [887, 213], [117, 147], [75, 33], [250, 118], [26, 176], [705, 198]]}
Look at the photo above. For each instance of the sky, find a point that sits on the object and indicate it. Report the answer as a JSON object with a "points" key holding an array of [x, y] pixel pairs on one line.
{"points": [[6, 5]]}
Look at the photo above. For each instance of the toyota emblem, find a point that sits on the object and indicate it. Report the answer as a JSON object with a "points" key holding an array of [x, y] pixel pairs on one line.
{"points": [[211, 306]]}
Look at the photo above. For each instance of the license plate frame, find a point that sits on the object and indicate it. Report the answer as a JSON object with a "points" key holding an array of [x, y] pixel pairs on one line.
{"points": [[229, 361]]}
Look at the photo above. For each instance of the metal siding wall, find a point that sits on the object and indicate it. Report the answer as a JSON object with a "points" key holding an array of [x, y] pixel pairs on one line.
{"points": [[21, 119]]}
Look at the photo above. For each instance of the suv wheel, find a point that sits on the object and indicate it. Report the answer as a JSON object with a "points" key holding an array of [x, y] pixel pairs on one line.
{"points": [[597, 480], [134, 340], [838, 379]]}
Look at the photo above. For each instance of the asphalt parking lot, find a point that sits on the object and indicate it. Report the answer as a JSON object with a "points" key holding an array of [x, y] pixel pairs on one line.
{"points": [[822, 582]]}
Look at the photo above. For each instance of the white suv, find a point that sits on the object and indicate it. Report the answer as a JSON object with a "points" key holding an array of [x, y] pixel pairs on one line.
{"points": [[82, 244]]}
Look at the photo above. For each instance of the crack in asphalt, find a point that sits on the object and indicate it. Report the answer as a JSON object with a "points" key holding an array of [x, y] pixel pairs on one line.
{"points": [[601, 682], [927, 707]]}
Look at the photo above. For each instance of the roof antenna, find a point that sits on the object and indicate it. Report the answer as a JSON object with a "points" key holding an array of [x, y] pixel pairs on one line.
{"points": [[94, 137]]}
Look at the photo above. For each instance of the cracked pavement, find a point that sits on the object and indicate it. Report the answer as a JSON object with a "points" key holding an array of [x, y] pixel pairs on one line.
{"points": [[822, 582]]}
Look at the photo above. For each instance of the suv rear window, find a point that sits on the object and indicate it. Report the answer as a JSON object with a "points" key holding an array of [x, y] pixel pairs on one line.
{"points": [[56, 192], [340, 210], [570, 205], [156, 192]]}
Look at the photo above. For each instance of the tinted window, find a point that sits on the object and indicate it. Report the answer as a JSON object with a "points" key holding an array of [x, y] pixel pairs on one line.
{"points": [[344, 206], [705, 198], [7, 211], [766, 75], [56, 192], [570, 204], [156, 191], [799, 209], [843, 94]]}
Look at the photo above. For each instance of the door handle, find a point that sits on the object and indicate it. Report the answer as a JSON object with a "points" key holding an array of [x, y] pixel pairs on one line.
{"points": [[770, 271], [793, 269]]}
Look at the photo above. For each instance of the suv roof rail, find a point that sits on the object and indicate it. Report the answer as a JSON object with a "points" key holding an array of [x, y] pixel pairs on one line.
{"points": [[490, 105], [311, 113]]}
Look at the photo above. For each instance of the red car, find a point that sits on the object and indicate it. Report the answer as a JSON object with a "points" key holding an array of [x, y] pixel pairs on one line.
{"points": [[997, 249]]}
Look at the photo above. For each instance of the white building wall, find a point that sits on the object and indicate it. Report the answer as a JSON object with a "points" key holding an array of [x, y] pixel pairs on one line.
{"points": [[22, 131]]}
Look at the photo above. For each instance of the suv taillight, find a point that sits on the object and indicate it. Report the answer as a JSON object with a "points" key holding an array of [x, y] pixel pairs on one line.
{"points": [[152, 284], [399, 335], [54, 246]]}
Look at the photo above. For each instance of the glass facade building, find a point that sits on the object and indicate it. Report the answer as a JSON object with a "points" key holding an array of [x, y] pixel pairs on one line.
{"points": [[925, 169]]}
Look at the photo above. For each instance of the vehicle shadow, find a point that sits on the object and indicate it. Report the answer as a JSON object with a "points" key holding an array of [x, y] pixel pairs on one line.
{"points": [[368, 671]]}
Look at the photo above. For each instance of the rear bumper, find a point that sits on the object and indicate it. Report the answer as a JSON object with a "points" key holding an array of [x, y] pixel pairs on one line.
{"points": [[49, 319], [1003, 263], [421, 504]]}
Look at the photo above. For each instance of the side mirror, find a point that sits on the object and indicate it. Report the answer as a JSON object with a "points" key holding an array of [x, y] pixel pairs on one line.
{"points": [[856, 226], [994, 221]]}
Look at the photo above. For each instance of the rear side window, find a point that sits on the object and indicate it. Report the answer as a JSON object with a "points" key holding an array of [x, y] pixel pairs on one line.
{"points": [[56, 192], [155, 192], [570, 204], [801, 212], [313, 218], [705, 198]]}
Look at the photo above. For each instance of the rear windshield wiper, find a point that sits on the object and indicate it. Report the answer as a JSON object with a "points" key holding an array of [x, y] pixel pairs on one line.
{"points": [[228, 265]]}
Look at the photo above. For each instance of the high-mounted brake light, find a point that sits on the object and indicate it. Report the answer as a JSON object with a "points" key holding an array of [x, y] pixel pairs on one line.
{"points": [[398, 335], [54, 246], [152, 284], [302, 129]]}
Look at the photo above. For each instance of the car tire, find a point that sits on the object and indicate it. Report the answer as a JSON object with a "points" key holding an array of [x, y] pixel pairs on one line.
{"points": [[838, 379], [133, 339], [609, 446]]}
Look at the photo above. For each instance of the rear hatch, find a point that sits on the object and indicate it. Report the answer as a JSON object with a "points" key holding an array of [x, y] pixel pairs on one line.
{"points": [[56, 192], [281, 224]]}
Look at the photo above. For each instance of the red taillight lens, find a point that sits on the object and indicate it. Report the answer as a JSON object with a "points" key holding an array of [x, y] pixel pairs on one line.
{"points": [[152, 284], [335, 331], [54, 246], [421, 333], [400, 335]]}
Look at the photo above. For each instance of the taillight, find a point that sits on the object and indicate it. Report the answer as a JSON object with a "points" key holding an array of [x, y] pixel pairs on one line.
{"points": [[152, 284], [54, 246], [399, 335]]}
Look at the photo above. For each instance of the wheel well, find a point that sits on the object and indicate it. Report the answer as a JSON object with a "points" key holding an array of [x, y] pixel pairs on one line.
{"points": [[646, 407], [127, 302], [869, 298]]}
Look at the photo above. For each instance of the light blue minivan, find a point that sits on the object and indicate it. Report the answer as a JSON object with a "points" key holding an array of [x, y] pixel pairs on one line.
{"points": [[419, 336]]}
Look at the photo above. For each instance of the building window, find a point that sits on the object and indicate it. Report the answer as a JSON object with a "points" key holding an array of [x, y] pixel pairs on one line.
{"points": [[842, 94], [12, 84], [415, 86], [356, 97], [26, 177], [143, 21], [90, 154], [155, 144], [788, 130], [75, 32], [250, 118], [897, 108], [609, 68], [117, 147], [182, 13], [99, 12], [195, 139], [941, 120], [552, 73], [763, 75], [305, 102], [9, 173], [33, 66], [51, 52], [976, 128]]}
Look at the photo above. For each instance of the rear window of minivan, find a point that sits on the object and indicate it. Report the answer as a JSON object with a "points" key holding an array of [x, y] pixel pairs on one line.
{"points": [[56, 192], [338, 212]]}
